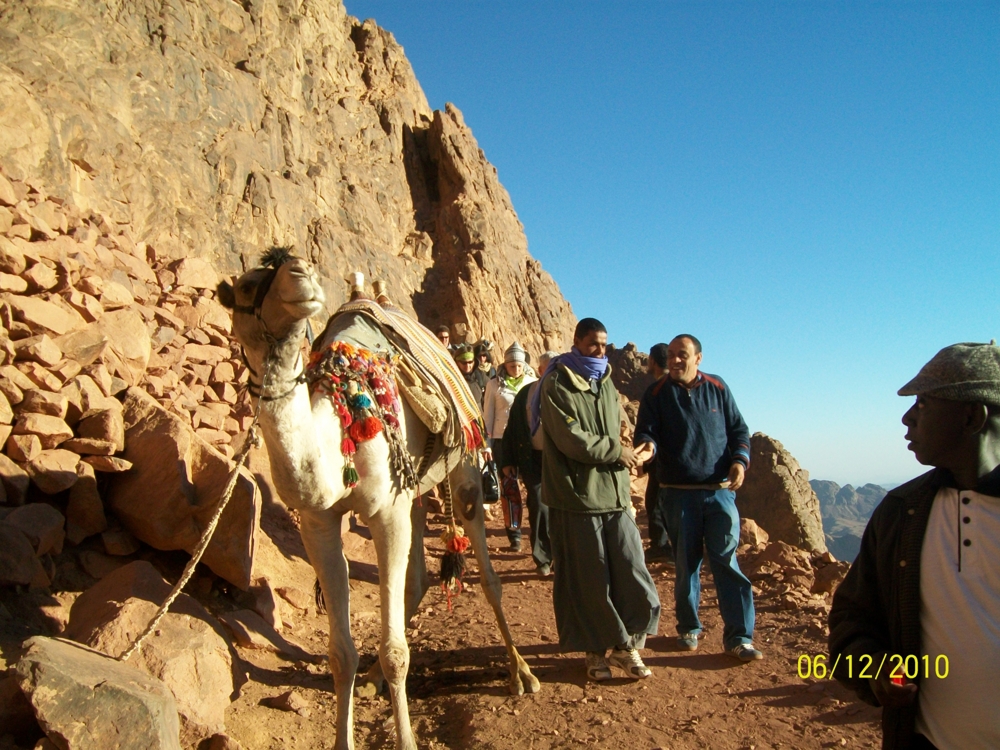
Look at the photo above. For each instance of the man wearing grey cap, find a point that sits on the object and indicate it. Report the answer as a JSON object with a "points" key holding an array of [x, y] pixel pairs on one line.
{"points": [[915, 626]]}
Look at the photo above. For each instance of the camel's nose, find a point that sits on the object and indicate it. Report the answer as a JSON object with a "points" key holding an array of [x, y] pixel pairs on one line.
{"points": [[299, 267]]}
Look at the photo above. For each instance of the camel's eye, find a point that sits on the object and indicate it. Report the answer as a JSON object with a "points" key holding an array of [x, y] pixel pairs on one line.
{"points": [[246, 287]]}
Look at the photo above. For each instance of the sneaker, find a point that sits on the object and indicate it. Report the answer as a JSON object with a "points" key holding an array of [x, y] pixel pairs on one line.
{"points": [[544, 570], [688, 642], [597, 668], [745, 652], [630, 661]]}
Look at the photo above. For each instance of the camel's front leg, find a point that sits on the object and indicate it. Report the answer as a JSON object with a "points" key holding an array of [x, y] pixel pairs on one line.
{"points": [[417, 584], [321, 536], [521, 678], [391, 532]]}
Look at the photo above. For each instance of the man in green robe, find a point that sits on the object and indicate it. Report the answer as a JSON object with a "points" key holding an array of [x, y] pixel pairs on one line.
{"points": [[604, 598]]}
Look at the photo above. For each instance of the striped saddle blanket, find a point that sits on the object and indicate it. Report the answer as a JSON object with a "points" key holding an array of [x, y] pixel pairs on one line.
{"points": [[424, 357]]}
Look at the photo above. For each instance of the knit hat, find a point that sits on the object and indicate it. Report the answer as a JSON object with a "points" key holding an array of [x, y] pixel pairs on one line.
{"points": [[514, 353], [960, 372], [464, 353]]}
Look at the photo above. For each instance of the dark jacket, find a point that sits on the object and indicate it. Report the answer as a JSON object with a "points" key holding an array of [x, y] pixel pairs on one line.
{"points": [[581, 472], [476, 380], [876, 609], [698, 432], [517, 450]]}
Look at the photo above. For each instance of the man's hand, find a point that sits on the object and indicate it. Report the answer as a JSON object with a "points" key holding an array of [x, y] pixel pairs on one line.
{"points": [[628, 457], [644, 452], [892, 696], [509, 470], [736, 475]]}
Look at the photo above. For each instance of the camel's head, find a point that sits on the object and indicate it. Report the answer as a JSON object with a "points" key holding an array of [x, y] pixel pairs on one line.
{"points": [[272, 300]]}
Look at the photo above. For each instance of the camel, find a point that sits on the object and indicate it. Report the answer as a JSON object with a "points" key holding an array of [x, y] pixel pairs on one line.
{"points": [[271, 306]]}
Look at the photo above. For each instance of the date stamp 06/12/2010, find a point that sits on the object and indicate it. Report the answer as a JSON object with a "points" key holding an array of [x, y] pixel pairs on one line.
{"points": [[900, 668]]}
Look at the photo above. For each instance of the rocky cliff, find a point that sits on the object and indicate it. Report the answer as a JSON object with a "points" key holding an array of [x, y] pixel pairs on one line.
{"points": [[216, 129], [846, 511]]}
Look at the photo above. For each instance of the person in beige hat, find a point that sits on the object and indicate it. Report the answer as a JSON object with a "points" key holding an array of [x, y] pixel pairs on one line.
{"points": [[922, 599]]}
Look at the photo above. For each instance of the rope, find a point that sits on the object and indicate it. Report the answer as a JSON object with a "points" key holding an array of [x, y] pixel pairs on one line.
{"points": [[206, 537]]}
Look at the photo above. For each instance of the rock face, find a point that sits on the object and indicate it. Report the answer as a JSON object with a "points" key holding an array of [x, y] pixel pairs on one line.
{"points": [[186, 652], [174, 487], [777, 495], [628, 371], [87, 701], [212, 130]]}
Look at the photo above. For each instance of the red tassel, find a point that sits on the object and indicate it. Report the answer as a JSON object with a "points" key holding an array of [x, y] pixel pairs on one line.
{"points": [[366, 429], [458, 544], [347, 447]]}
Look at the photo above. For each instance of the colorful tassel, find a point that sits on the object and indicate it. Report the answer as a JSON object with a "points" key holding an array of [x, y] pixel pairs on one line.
{"points": [[350, 476], [361, 401], [347, 447], [365, 429]]}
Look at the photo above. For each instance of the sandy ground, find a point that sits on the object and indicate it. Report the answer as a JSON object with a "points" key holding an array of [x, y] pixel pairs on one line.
{"points": [[458, 673]]}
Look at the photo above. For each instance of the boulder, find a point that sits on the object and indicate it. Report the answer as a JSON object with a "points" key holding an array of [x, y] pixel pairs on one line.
{"points": [[751, 533], [44, 402], [777, 495], [129, 343], [119, 542], [6, 413], [195, 272], [187, 652], [85, 700], [103, 424], [265, 603], [51, 431], [175, 484], [85, 509], [109, 464], [16, 716], [43, 317], [39, 349], [43, 525], [18, 564], [53, 471], [23, 447], [829, 576], [15, 481]]}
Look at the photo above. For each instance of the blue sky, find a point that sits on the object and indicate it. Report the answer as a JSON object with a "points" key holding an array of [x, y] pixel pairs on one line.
{"points": [[812, 189]]}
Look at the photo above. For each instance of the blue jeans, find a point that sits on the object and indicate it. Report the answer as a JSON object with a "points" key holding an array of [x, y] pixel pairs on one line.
{"points": [[699, 519]]}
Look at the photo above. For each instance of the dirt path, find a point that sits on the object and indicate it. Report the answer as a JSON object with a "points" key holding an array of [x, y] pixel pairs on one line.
{"points": [[457, 682]]}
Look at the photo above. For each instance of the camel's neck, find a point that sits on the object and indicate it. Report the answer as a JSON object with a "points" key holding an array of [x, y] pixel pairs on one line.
{"points": [[305, 475]]}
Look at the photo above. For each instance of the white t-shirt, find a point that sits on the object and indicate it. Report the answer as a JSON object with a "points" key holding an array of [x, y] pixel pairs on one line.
{"points": [[960, 620]]}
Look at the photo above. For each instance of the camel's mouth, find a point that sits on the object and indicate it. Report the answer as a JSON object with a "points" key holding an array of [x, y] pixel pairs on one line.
{"points": [[304, 308]]}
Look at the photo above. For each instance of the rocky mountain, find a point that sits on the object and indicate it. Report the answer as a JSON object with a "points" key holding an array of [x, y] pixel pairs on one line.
{"points": [[216, 129], [846, 511]]}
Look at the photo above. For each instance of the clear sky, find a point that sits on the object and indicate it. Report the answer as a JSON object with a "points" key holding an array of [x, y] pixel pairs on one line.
{"points": [[812, 189]]}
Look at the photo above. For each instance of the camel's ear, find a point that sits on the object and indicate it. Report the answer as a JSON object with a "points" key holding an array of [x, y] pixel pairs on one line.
{"points": [[226, 295]]}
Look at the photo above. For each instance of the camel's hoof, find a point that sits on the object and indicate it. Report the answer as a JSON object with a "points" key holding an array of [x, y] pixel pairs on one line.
{"points": [[530, 682], [515, 687]]}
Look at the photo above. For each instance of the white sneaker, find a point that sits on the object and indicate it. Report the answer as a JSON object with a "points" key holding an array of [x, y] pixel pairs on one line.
{"points": [[631, 662], [597, 667]]}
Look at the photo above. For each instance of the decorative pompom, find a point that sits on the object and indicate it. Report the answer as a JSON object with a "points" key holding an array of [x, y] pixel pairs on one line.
{"points": [[350, 476], [361, 401], [365, 429], [347, 447], [458, 544]]}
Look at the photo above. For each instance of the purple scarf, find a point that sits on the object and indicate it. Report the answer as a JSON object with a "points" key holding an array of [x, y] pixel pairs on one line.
{"points": [[589, 368]]}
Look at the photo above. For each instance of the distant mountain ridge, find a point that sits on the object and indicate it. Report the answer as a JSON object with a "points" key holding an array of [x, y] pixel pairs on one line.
{"points": [[845, 512]]}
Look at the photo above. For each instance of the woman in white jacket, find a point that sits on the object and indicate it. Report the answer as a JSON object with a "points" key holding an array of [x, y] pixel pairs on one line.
{"points": [[500, 392]]}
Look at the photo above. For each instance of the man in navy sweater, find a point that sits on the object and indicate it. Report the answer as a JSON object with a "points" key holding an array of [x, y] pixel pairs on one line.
{"points": [[702, 450]]}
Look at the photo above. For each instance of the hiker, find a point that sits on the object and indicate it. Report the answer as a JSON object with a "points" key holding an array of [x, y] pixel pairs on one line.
{"points": [[475, 378], [660, 548], [702, 447], [497, 400], [924, 591], [443, 334], [484, 358], [522, 454], [602, 594]]}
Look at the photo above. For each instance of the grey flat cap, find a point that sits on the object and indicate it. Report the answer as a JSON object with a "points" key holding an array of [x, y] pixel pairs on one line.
{"points": [[960, 372]]}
